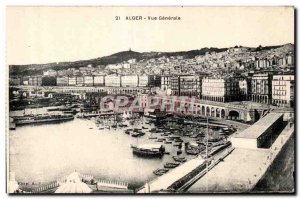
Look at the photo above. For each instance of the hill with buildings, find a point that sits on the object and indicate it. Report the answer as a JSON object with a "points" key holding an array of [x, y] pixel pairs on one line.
{"points": [[36, 69]]}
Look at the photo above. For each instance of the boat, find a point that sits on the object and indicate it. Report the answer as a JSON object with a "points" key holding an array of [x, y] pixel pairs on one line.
{"points": [[160, 172], [192, 151], [114, 126], [168, 142], [148, 150], [170, 165], [137, 134], [152, 137], [127, 131], [144, 127], [45, 118], [179, 159], [101, 128]]}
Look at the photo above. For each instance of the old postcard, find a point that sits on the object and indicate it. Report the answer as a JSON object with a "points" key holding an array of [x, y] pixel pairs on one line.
{"points": [[143, 100]]}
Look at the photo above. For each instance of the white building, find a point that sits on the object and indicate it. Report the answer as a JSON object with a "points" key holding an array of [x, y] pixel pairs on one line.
{"points": [[113, 80], [165, 82], [62, 81], [79, 80], [283, 90], [143, 80], [129, 81], [88, 80], [214, 89], [72, 81], [99, 80]]}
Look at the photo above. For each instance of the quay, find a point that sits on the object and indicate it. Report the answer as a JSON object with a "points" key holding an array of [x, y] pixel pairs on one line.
{"points": [[243, 168], [236, 169]]}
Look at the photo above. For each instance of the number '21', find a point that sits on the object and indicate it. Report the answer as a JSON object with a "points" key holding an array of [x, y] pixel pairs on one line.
{"points": [[117, 17]]}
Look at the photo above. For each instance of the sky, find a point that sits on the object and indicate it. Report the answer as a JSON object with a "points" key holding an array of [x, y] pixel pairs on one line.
{"points": [[36, 35]]}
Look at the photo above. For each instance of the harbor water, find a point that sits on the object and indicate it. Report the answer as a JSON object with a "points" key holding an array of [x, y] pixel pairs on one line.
{"points": [[47, 152]]}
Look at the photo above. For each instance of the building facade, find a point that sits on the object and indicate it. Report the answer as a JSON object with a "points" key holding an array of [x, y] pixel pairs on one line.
{"points": [[113, 80], [88, 80], [129, 81], [215, 89], [62, 81], [261, 86], [283, 90], [165, 82], [99, 80], [143, 80]]}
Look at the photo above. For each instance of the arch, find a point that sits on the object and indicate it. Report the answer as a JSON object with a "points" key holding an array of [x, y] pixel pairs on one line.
{"points": [[222, 113], [234, 115], [203, 110], [212, 112], [218, 112], [186, 107], [207, 111]]}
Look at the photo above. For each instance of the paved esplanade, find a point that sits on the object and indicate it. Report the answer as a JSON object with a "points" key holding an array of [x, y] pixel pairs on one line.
{"points": [[164, 181], [242, 169]]}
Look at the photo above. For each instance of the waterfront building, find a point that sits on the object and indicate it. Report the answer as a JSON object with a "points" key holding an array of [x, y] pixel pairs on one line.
{"points": [[129, 81], [143, 80], [174, 84], [260, 133], [79, 80], [99, 80], [237, 87], [113, 80], [215, 89], [165, 82], [283, 90], [261, 88], [88, 80], [185, 85], [154, 81], [35, 81], [72, 81], [190, 85], [62, 81]]}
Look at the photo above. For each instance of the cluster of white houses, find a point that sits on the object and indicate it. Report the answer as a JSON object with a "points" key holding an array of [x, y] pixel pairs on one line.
{"points": [[267, 87]]}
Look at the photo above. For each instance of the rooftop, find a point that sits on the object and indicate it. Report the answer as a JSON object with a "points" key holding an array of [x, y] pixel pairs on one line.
{"points": [[260, 126]]}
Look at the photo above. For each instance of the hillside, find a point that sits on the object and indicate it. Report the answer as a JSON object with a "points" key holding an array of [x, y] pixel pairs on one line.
{"points": [[35, 69]]}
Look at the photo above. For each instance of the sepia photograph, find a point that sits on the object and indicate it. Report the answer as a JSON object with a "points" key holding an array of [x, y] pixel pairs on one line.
{"points": [[150, 100]]}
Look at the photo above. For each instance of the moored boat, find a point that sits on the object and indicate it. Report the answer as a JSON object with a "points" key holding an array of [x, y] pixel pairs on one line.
{"points": [[170, 165], [148, 150], [160, 172], [179, 159], [46, 118]]}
